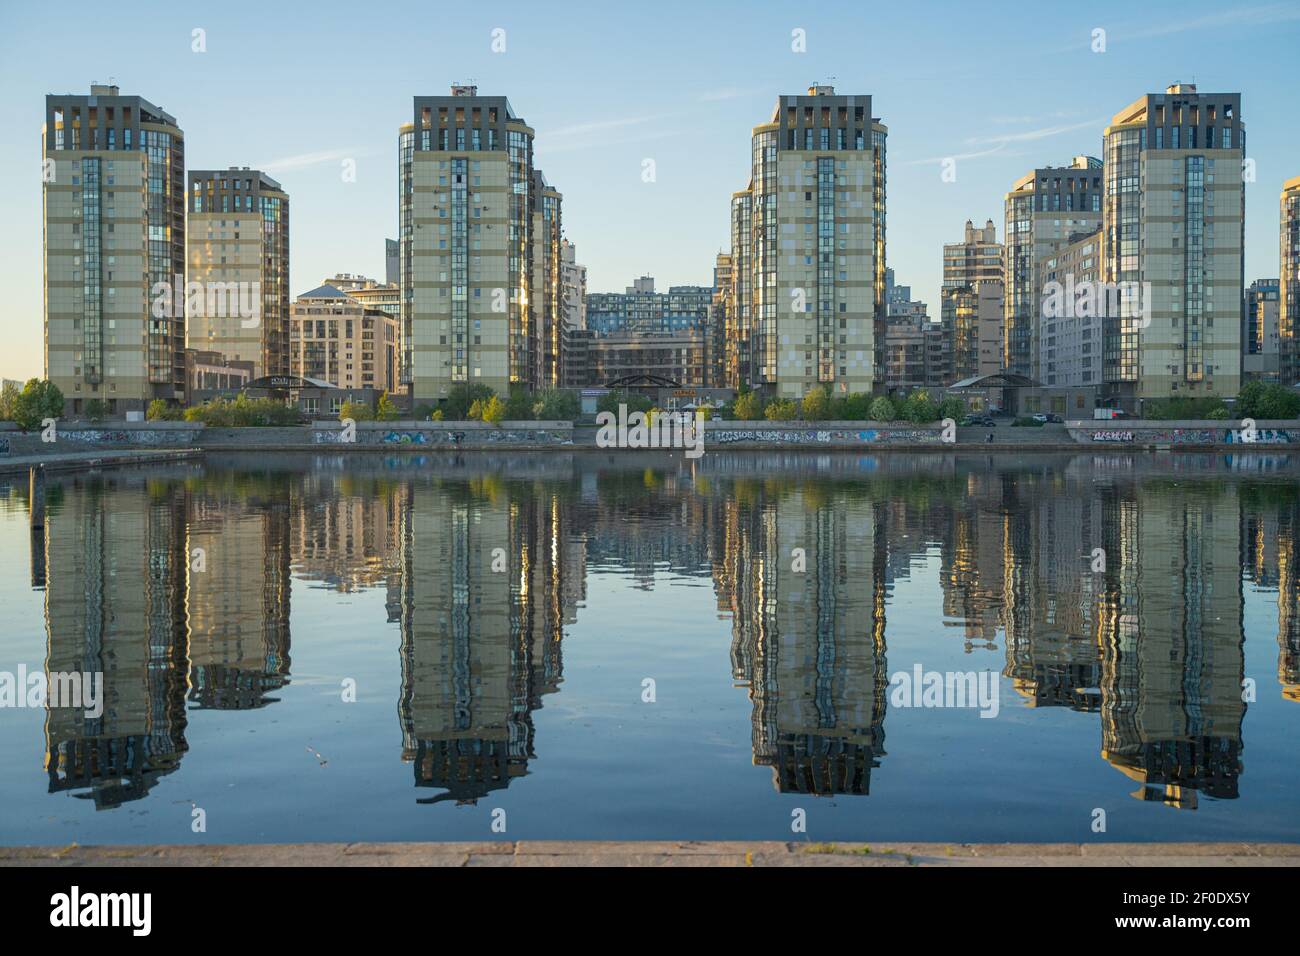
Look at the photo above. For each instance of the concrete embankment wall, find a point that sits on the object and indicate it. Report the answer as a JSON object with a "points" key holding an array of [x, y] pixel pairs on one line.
{"points": [[418, 435], [1172, 434]]}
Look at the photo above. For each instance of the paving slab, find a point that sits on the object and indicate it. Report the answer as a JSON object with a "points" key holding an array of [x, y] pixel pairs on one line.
{"points": [[658, 853]]}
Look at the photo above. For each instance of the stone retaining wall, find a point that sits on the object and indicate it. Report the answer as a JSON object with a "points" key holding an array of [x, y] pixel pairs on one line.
{"points": [[1158, 434], [415, 434]]}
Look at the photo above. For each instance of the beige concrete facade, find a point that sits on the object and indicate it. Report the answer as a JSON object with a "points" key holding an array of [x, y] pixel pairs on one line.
{"points": [[812, 291], [978, 333], [237, 244], [113, 228], [1289, 286], [470, 311], [336, 339], [1174, 217], [1045, 210]]}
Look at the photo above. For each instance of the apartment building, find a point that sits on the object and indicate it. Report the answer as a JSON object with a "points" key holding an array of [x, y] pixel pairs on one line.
{"points": [[808, 249], [113, 239], [1069, 338], [976, 326], [468, 198], [1173, 216], [1289, 284], [237, 250], [1043, 210], [1260, 357], [335, 338]]}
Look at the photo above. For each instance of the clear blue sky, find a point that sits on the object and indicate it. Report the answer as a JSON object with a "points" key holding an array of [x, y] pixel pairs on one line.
{"points": [[296, 88]]}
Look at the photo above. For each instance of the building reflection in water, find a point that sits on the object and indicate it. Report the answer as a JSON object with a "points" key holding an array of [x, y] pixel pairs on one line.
{"points": [[483, 571], [1172, 642], [802, 573], [238, 547], [115, 605], [482, 614]]}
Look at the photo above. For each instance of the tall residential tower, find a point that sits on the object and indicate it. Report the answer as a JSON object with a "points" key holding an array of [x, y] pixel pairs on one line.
{"points": [[1046, 210], [238, 250], [474, 298], [1173, 215], [808, 249], [1289, 287], [114, 228]]}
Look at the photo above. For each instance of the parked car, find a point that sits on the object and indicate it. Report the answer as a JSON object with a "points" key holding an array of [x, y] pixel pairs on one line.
{"points": [[978, 421], [1055, 419], [1043, 418]]}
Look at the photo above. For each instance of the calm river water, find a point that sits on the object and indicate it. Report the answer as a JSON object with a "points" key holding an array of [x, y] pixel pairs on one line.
{"points": [[405, 647]]}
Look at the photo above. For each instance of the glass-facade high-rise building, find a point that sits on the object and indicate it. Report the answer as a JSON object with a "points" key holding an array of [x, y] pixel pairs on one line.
{"points": [[810, 278], [1173, 215], [1046, 210], [1289, 285], [473, 300], [238, 248], [114, 228]]}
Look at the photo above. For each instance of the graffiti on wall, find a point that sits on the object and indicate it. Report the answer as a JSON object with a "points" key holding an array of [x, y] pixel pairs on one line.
{"points": [[124, 436], [810, 436], [425, 437]]}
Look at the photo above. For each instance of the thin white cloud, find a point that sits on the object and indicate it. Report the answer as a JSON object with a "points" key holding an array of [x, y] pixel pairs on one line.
{"points": [[601, 126], [1030, 135], [304, 160], [1260, 16], [931, 160]]}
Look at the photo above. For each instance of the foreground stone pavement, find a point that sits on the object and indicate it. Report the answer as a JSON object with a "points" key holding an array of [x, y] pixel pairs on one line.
{"points": [[662, 853]]}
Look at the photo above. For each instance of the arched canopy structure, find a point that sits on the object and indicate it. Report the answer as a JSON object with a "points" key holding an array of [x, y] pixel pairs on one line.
{"points": [[288, 382], [643, 380], [1003, 379]]}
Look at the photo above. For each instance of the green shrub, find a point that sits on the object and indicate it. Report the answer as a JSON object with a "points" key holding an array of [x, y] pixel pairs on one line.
{"points": [[556, 405], [96, 410], [1267, 401], [882, 410], [385, 410], [634, 401], [243, 412], [357, 411], [954, 408], [161, 410], [519, 406], [748, 407], [919, 408], [781, 410], [462, 397], [816, 404], [39, 399], [1166, 409], [851, 408]]}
